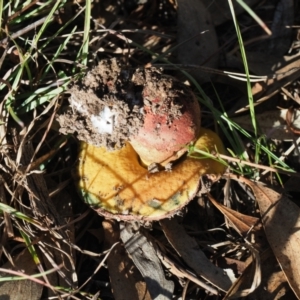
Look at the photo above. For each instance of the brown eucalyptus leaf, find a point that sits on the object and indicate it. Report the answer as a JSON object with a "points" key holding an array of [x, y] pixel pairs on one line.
{"points": [[273, 282], [196, 36], [274, 285], [242, 223], [281, 220], [21, 289], [126, 280], [142, 251], [189, 250]]}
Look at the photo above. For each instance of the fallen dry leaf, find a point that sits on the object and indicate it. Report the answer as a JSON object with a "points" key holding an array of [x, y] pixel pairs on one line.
{"points": [[274, 285], [141, 250], [250, 278], [242, 223], [124, 277], [21, 289], [189, 250], [182, 272], [281, 221]]}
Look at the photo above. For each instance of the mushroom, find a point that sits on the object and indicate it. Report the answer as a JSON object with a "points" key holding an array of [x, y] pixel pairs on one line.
{"points": [[117, 185], [128, 122]]}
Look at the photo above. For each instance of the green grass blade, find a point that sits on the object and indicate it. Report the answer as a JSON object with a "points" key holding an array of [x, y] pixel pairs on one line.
{"points": [[41, 96], [57, 53], [86, 34], [17, 278], [48, 40], [254, 16], [46, 23], [30, 248], [245, 63], [37, 12], [13, 212]]}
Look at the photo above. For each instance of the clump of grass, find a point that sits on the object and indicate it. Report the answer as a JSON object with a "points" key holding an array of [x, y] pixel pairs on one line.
{"points": [[232, 130], [39, 60]]}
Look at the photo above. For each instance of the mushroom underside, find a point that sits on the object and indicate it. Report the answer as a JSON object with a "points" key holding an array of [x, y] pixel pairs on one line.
{"points": [[116, 184]]}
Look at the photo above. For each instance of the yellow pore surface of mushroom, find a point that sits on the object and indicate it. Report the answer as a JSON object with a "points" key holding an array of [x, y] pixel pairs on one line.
{"points": [[116, 184]]}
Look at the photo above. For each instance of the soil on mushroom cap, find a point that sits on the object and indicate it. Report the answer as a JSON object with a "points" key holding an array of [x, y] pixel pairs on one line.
{"points": [[158, 90], [125, 92], [103, 86]]}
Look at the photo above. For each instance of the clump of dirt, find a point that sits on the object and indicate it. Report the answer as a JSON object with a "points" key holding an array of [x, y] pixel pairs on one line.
{"points": [[161, 93], [108, 105], [104, 107]]}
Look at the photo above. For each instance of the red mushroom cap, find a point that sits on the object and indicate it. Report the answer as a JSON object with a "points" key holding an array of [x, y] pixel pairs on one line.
{"points": [[170, 124]]}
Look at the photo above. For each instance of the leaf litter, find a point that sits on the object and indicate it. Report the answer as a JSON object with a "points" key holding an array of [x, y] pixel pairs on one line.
{"points": [[280, 218], [60, 232]]}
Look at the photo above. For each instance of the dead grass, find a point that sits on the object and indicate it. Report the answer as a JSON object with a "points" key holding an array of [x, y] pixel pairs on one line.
{"points": [[52, 245]]}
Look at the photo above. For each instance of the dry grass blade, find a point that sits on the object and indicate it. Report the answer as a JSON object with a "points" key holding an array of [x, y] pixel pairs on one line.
{"points": [[38, 191], [281, 220], [251, 276], [9, 232], [282, 78], [49, 212]]}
